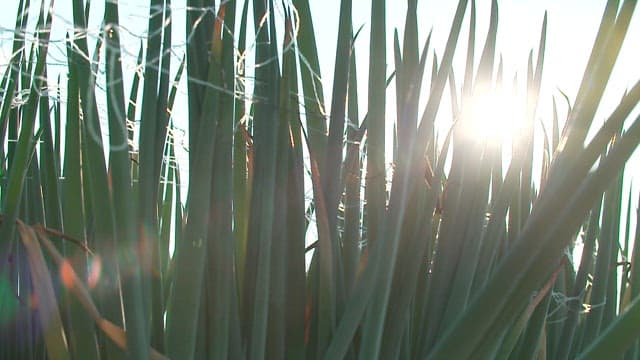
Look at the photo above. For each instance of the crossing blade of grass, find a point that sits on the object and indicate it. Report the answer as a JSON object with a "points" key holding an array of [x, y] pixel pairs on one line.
{"points": [[81, 336], [163, 109], [17, 190], [220, 256], [487, 59], [152, 130], [330, 259], [467, 185], [198, 27], [296, 287], [352, 178], [276, 327], [50, 318], [333, 158], [410, 261], [321, 276], [164, 82], [114, 332], [169, 202], [616, 338], [538, 305], [440, 75], [25, 143], [183, 309], [5, 109], [610, 35], [534, 80], [634, 284], [511, 298], [120, 168], [581, 161], [49, 167], [606, 256], [356, 305], [265, 139], [467, 84], [375, 182], [10, 78], [566, 340], [577, 206], [97, 202], [241, 154], [625, 254], [132, 104], [410, 249], [314, 103], [423, 136], [51, 185]]}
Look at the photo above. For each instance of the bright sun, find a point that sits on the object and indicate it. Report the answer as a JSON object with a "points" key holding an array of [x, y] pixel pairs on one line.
{"points": [[493, 116]]}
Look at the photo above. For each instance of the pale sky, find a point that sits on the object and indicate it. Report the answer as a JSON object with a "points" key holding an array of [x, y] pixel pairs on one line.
{"points": [[571, 30]]}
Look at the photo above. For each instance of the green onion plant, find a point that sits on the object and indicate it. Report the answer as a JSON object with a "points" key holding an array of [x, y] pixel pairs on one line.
{"points": [[305, 229]]}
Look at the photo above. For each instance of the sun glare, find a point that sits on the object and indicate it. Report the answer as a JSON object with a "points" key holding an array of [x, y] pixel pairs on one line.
{"points": [[493, 116]]}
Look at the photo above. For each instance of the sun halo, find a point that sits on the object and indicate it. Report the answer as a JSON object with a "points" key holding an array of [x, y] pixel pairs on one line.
{"points": [[492, 116]]}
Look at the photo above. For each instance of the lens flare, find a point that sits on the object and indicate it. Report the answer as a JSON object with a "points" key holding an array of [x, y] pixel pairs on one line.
{"points": [[95, 270], [67, 275]]}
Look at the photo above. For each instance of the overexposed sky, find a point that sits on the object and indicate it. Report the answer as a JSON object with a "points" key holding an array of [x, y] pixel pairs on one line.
{"points": [[571, 31], [572, 27]]}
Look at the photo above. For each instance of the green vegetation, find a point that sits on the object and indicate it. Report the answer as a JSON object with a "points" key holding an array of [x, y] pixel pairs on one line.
{"points": [[449, 256]]}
